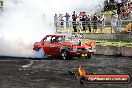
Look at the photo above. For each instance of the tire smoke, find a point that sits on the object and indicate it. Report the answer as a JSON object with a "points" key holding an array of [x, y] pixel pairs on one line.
{"points": [[23, 22]]}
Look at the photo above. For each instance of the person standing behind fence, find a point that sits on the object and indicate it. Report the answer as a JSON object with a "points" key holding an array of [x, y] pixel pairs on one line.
{"points": [[101, 22], [55, 21], [88, 23], [74, 17], [114, 19], [84, 19], [62, 23], [60, 20], [80, 21], [67, 20], [95, 19]]}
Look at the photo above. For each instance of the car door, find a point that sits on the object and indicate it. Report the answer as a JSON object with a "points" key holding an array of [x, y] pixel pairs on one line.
{"points": [[54, 47], [47, 45]]}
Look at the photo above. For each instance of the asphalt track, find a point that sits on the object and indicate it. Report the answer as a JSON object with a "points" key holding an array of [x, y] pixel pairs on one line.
{"points": [[53, 73]]}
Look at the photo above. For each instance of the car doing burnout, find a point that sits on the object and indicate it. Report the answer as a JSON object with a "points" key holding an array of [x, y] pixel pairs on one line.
{"points": [[65, 46]]}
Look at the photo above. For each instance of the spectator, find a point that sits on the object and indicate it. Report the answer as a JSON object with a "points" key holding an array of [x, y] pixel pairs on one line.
{"points": [[80, 21], [114, 19], [84, 19], [101, 22], [130, 10], [55, 21], [125, 11], [60, 20], [80, 15], [67, 20], [62, 23], [89, 23], [130, 6], [74, 17], [95, 19], [119, 11]]}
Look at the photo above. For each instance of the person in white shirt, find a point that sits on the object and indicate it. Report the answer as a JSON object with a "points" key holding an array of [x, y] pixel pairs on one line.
{"points": [[114, 19], [101, 22]]}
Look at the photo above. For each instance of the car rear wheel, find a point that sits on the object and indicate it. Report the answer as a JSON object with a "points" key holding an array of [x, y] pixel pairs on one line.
{"points": [[89, 56], [65, 55]]}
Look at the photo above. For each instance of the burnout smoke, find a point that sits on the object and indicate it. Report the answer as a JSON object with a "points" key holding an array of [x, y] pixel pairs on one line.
{"points": [[23, 22]]}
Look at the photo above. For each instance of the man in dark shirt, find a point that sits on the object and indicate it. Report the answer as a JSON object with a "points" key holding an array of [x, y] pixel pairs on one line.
{"points": [[74, 17], [95, 19], [84, 19], [119, 12], [67, 20]]}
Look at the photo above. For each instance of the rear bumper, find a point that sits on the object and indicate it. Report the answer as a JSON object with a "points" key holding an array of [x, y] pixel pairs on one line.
{"points": [[78, 54]]}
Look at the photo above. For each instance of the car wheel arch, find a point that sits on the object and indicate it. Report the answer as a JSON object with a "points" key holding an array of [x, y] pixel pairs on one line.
{"points": [[39, 48], [68, 56]]}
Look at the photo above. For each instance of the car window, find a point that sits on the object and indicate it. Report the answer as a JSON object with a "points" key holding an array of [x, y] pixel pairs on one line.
{"points": [[48, 39], [57, 39], [53, 40], [61, 38], [70, 38]]}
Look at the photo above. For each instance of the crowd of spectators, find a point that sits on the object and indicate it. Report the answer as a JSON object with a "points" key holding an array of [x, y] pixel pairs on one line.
{"points": [[123, 7], [83, 22], [80, 22]]}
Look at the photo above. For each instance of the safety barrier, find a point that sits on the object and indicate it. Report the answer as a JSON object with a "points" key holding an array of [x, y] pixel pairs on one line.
{"points": [[122, 26]]}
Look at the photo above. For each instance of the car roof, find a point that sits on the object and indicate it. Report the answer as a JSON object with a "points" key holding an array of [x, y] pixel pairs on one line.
{"points": [[58, 35]]}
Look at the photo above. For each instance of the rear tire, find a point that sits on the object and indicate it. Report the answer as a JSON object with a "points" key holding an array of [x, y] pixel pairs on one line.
{"points": [[89, 56], [65, 55]]}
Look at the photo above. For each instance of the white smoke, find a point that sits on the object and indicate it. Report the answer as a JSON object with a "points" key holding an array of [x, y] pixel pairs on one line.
{"points": [[23, 22]]}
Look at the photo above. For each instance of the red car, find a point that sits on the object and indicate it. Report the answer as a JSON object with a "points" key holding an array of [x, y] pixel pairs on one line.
{"points": [[65, 46]]}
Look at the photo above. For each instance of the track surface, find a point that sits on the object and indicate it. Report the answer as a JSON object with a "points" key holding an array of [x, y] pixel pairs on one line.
{"points": [[53, 73]]}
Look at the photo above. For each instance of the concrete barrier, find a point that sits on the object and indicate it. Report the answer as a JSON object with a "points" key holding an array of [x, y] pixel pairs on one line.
{"points": [[121, 37], [113, 50], [126, 51]]}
